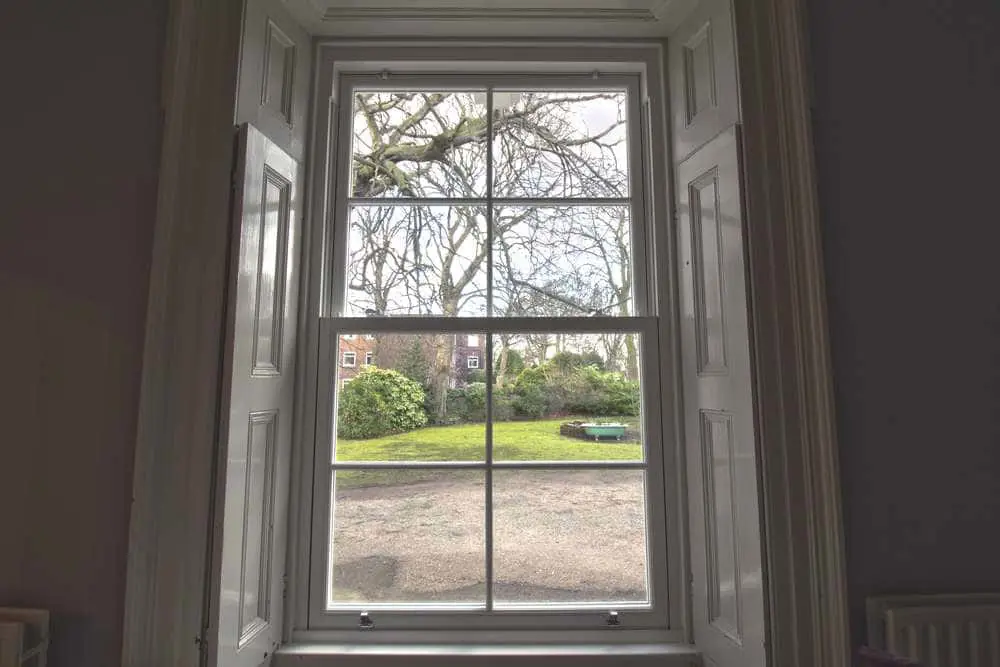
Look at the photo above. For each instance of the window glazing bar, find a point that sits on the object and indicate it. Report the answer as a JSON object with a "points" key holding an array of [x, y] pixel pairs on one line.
{"points": [[486, 201], [440, 324], [483, 465]]}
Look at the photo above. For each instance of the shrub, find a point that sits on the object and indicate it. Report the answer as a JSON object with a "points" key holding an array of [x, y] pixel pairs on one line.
{"points": [[430, 402], [378, 402], [468, 403], [567, 361], [515, 362], [590, 391], [503, 404], [531, 397], [560, 386]]}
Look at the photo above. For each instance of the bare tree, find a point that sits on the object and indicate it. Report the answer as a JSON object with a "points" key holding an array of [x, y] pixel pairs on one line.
{"points": [[420, 259]]}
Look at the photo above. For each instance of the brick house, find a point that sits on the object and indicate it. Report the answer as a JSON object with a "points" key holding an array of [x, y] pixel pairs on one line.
{"points": [[356, 352], [469, 354], [388, 351]]}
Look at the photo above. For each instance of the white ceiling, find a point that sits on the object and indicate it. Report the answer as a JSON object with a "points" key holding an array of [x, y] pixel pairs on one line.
{"points": [[490, 18]]}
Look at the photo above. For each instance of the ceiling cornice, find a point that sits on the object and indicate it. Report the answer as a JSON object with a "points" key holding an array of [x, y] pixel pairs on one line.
{"points": [[452, 13]]}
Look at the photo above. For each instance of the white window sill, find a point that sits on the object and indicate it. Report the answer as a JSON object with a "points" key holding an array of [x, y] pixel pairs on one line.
{"points": [[482, 655]]}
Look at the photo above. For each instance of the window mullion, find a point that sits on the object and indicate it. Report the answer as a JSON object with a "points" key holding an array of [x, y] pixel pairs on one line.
{"points": [[488, 482], [489, 202], [488, 346]]}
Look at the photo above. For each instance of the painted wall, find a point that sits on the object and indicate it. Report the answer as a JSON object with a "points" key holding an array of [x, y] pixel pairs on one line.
{"points": [[907, 118], [80, 128]]}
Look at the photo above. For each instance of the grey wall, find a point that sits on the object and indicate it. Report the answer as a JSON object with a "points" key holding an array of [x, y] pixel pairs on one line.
{"points": [[908, 107], [80, 128]]}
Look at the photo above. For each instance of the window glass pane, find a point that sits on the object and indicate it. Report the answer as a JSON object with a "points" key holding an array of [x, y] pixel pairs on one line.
{"points": [[417, 260], [560, 144], [408, 536], [567, 397], [569, 536], [562, 261], [420, 399], [419, 144]]}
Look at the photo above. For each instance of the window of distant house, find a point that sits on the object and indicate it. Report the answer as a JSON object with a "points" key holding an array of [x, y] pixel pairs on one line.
{"points": [[350, 359], [506, 213], [369, 357]]}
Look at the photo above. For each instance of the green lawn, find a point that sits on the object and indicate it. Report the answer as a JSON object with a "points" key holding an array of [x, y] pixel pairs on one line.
{"points": [[512, 441]]}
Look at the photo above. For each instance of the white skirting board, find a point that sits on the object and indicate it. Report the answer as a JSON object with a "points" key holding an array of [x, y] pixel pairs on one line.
{"points": [[953, 630], [24, 637]]}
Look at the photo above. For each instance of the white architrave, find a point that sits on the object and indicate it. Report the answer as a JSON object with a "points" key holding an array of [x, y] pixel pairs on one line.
{"points": [[176, 439], [177, 432], [800, 481]]}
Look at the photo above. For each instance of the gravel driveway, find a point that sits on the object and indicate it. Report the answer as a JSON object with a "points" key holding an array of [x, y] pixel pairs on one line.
{"points": [[559, 536]]}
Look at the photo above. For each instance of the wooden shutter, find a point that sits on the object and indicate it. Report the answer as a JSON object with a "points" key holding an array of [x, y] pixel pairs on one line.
{"points": [[251, 530], [720, 444], [246, 607]]}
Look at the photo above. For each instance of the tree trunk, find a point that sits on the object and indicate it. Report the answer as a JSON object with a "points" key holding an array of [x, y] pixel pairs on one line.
{"points": [[442, 373], [631, 358], [502, 365]]}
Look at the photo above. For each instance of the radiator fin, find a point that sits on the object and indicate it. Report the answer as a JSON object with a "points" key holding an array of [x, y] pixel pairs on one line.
{"points": [[945, 636]]}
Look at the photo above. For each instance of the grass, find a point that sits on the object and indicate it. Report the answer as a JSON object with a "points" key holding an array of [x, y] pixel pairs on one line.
{"points": [[512, 441]]}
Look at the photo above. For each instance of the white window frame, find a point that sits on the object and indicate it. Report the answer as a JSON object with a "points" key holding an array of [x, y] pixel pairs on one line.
{"points": [[354, 359], [652, 293], [472, 358], [369, 358], [469, 340]]}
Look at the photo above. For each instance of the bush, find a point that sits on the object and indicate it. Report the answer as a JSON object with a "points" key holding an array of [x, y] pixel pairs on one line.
{"points": [[590, 391], [515, 362], [379, 402], [468, 404], [568, 361], [560, 386], [503, 404], [430, 402], [531, 396]]}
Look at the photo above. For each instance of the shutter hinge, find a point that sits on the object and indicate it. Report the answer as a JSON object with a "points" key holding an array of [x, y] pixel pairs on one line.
{"points": [[201, 641], [234, 164]]}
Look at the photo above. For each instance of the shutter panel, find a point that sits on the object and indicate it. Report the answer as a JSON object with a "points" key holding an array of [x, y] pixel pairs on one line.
{"points": [[728, 605], [720, 446], [256, 434], [247, 604], [704, 96]]}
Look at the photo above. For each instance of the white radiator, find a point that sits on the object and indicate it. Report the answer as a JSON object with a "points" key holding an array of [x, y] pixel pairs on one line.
{"points": [[24, 637], [938, 630]]}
